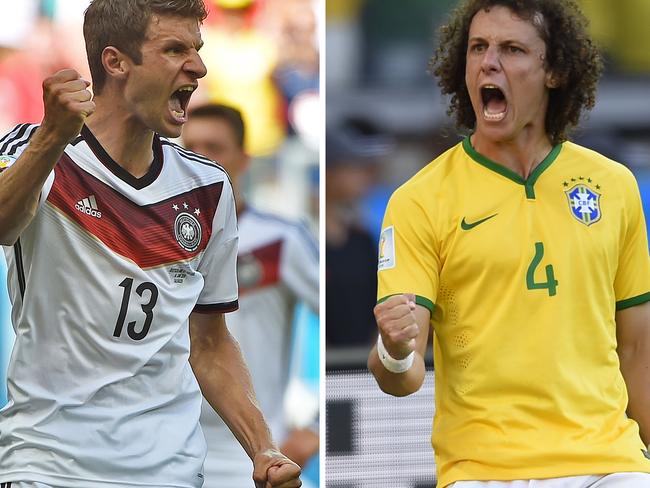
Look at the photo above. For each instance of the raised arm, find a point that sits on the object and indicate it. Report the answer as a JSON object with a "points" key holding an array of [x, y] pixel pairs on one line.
{"points": [[67, 102], [404, 328], [633, 335], [226, 384]]}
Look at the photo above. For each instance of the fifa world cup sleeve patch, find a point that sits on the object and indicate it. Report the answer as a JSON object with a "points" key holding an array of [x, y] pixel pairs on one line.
{"points": [[386, 249], [6, 161]]}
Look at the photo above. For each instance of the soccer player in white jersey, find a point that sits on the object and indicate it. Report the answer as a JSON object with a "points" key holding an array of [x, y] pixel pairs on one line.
{"points": [[121, 249], [277, 266]]}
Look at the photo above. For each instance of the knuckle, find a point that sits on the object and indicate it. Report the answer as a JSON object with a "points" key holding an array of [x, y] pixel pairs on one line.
{"points": [[56, 92], [394, 335]]}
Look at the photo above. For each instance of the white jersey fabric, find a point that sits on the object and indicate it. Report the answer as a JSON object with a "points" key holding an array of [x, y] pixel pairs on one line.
{"points": [[102, 283], [277, 265]]}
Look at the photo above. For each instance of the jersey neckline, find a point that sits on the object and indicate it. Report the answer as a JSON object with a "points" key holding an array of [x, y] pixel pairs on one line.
{"points": [[528, 184], [137, 183]]}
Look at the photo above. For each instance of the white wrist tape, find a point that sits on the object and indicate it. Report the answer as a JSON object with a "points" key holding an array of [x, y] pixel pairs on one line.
{"points": [[390, 363]]}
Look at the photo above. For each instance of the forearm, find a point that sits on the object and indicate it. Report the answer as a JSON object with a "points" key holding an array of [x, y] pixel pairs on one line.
{"points": [[227, 386], [633, 338], [397, 384], [21, 184]]}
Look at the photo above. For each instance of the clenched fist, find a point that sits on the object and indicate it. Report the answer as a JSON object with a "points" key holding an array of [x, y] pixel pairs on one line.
{"points": [[67, 102], [397, 324], [272, 469]]}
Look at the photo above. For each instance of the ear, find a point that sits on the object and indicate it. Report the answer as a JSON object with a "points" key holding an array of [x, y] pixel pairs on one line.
{"points": [[115, 63], [552, 81]]}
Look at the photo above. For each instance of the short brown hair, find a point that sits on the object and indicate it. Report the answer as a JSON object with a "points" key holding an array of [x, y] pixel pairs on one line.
{"points": [[570, 55], [230, 115], [123, 24]]}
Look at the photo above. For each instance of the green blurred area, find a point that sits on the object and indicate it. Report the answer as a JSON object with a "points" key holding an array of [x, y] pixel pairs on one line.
{"points": [[620, 27]]}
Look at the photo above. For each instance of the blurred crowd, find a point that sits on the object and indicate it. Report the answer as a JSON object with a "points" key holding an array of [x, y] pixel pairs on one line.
{"points": [[386, 119], [262, 58]]}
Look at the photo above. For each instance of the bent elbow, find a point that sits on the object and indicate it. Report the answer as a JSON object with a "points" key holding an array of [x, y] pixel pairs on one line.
{"points": [[399, 393], [399, 387], [11, 227]]}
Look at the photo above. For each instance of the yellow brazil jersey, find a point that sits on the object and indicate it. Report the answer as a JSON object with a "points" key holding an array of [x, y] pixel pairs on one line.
{"points": [[524, 278]]}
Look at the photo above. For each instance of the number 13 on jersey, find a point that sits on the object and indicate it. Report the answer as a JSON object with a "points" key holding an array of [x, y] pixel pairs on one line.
{"points": [[147, 308]]}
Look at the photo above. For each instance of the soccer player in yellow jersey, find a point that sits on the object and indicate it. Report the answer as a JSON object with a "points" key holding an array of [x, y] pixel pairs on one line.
{"points": [[528, 256]]}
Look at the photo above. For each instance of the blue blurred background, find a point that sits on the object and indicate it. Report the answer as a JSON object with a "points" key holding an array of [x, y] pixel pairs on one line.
{"points": [[6, 333]]}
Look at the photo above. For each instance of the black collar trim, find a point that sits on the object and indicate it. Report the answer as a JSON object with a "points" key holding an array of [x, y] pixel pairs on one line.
{"points": [[138, 183]]}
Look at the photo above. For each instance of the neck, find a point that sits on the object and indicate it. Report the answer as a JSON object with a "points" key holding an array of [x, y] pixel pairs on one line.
{"points": [[521, 155], [125, 140], [240, 202]]}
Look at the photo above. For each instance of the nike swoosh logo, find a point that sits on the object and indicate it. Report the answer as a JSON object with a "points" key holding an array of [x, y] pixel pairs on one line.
{"points": [[470, 225]]}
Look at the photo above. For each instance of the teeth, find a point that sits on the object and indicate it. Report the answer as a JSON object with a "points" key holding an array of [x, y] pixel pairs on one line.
{"points": [[186, 89], [177, 113], [493, 117]]}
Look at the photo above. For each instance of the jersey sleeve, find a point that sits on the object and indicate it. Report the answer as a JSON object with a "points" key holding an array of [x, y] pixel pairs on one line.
{"points": [[299, 265], [12, 145], [408, 257], [219, 263], [632, 282]]}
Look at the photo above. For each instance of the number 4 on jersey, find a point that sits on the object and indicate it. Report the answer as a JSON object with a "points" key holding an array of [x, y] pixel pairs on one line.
{"points": [[551, 283]]}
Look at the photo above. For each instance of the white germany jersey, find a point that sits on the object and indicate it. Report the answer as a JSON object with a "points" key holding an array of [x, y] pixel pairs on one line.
{"points": [[277, 265], [102, 283]]}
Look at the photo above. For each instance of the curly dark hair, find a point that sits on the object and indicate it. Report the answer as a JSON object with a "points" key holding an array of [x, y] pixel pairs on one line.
{"points": [[570, 55]]}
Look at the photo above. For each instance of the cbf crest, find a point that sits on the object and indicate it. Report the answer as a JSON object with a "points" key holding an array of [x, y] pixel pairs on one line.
{"points": [[584, 203]]}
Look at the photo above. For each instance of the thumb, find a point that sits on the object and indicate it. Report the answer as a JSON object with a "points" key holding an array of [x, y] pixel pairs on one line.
{"points": [[277, 475], [411, 298]]}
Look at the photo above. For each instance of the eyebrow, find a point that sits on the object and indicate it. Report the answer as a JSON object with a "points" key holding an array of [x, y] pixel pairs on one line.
{"points": [[169, 41], [505, 41]]}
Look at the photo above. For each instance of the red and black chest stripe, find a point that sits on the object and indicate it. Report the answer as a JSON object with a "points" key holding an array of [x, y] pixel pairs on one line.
{"points": [[150, 235]]}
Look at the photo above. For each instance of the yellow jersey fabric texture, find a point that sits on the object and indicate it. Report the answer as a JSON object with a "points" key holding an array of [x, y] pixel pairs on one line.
{"points": [[523, 279]]}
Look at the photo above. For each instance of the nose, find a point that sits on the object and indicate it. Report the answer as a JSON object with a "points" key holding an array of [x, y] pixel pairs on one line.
{"points": [[196, 66], [491, 61]]}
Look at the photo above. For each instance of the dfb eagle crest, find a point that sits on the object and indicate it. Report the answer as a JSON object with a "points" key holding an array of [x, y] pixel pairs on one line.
{"points": [[187, 231]]}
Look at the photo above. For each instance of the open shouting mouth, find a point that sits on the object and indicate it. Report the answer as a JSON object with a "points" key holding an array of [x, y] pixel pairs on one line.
{"points": [[495, 105], [178, 102]]}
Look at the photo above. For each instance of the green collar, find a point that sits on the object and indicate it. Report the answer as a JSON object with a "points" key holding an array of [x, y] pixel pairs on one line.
{"points": [[508, 173]]}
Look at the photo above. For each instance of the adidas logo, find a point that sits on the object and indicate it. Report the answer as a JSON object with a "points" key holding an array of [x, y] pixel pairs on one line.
{"points": [[89, 206]]}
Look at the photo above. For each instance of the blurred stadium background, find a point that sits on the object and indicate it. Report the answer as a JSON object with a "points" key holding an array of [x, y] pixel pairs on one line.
{"points": [[377, 83], [262, 57]]}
